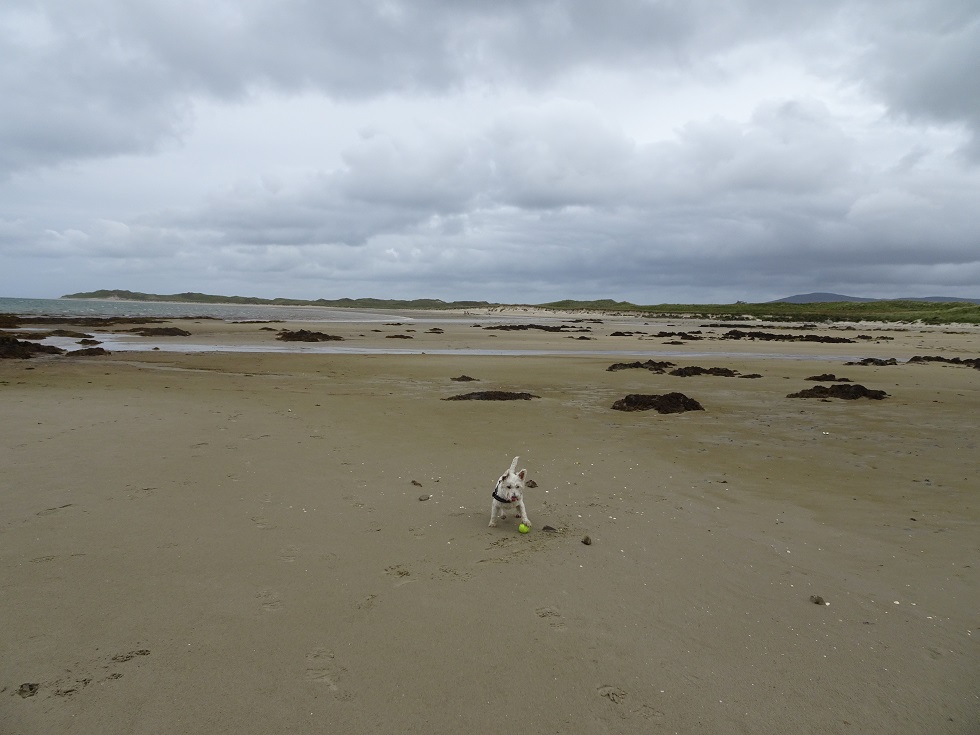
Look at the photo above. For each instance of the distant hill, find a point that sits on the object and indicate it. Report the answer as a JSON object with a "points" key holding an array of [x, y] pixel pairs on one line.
{"points": [[819, 298], [191, 297], [827, 298]]}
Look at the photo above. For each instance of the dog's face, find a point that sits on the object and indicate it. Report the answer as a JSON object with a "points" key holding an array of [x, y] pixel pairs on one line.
{"points": [[511, 485]]}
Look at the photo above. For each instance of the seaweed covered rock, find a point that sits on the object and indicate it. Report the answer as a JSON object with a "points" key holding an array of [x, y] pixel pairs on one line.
{"points": [[769, 336], [305, 335], [540, 327], [651, 365], [687, 372], [667, 403], [160, 331], [849, 392], [492, 395], [16, 349], [973, 362], [875, 362]]}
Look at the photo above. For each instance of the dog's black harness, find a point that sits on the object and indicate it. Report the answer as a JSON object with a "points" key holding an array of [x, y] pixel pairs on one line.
{"points": [[497, 497]]}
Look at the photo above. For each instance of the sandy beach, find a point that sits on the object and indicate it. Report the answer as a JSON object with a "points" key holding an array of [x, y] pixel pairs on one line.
{"points": [[219, 541]]}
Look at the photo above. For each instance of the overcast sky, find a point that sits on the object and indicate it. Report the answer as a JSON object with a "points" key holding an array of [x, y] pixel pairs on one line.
{"points": [[505, 150]]}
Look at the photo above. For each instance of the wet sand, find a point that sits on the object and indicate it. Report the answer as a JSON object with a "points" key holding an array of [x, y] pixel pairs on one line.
{"points": [[237, 542]]}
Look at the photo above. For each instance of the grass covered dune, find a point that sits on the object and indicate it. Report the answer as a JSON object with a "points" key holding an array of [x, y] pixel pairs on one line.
{"points": [[927, 312], [247, 543]]}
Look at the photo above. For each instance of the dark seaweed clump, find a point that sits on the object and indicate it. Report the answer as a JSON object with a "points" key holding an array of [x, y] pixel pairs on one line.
{"points": [[651, 365], [305, 335], [849, 392], [492, 395], [668, 403], [16, 349]]}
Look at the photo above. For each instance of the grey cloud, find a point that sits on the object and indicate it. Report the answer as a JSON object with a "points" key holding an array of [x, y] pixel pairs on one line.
{"points": [[113, 76], [788, 186], [922, 61], [552, 192]]}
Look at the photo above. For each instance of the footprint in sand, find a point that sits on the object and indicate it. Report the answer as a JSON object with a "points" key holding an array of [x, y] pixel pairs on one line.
{"points": [[72, 683], [401, 574], [446, 572], [322, 669], [613, 694], [618, 696], [552, 615], [263, 524], [270, 600], [289, 553], [647, 712], [354, 503]]}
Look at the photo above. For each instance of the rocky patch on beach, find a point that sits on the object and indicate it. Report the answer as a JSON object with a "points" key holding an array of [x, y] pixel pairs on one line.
{"points": [[874, 362], [69, 333], [973, 362], [16, 349], [464, 379], [32, 336], [651, 365], [160, 331], [692, 370], [827, 378], [686, 336], [541, 327], [37, 336], [12, 321], [492, 395], [88, 352], [305, 335], [849, 392], [667, 403], [770, 336]]}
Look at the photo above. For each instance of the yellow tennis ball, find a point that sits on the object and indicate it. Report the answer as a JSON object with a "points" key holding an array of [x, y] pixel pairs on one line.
{"points": [[523, 528]]}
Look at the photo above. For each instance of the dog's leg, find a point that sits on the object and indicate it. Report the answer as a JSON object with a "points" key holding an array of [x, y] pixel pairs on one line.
{"points": [[493, 513], [523, 512]]}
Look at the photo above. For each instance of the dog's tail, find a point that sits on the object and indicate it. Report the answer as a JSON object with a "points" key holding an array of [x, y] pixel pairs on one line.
{"points": [[513, 466]]}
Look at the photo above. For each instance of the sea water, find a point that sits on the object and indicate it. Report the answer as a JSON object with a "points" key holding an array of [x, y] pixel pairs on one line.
{"points": [[176, 310]]}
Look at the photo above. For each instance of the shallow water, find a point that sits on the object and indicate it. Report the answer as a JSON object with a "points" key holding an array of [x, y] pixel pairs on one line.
{"points": [[165, 310], [115, 343]]}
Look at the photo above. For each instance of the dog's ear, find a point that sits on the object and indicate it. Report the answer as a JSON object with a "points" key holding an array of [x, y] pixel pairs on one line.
{"points": [[522, 474]]}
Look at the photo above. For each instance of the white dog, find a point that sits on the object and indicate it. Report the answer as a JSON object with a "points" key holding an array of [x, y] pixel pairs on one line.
{"points": [[509, 491]]}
